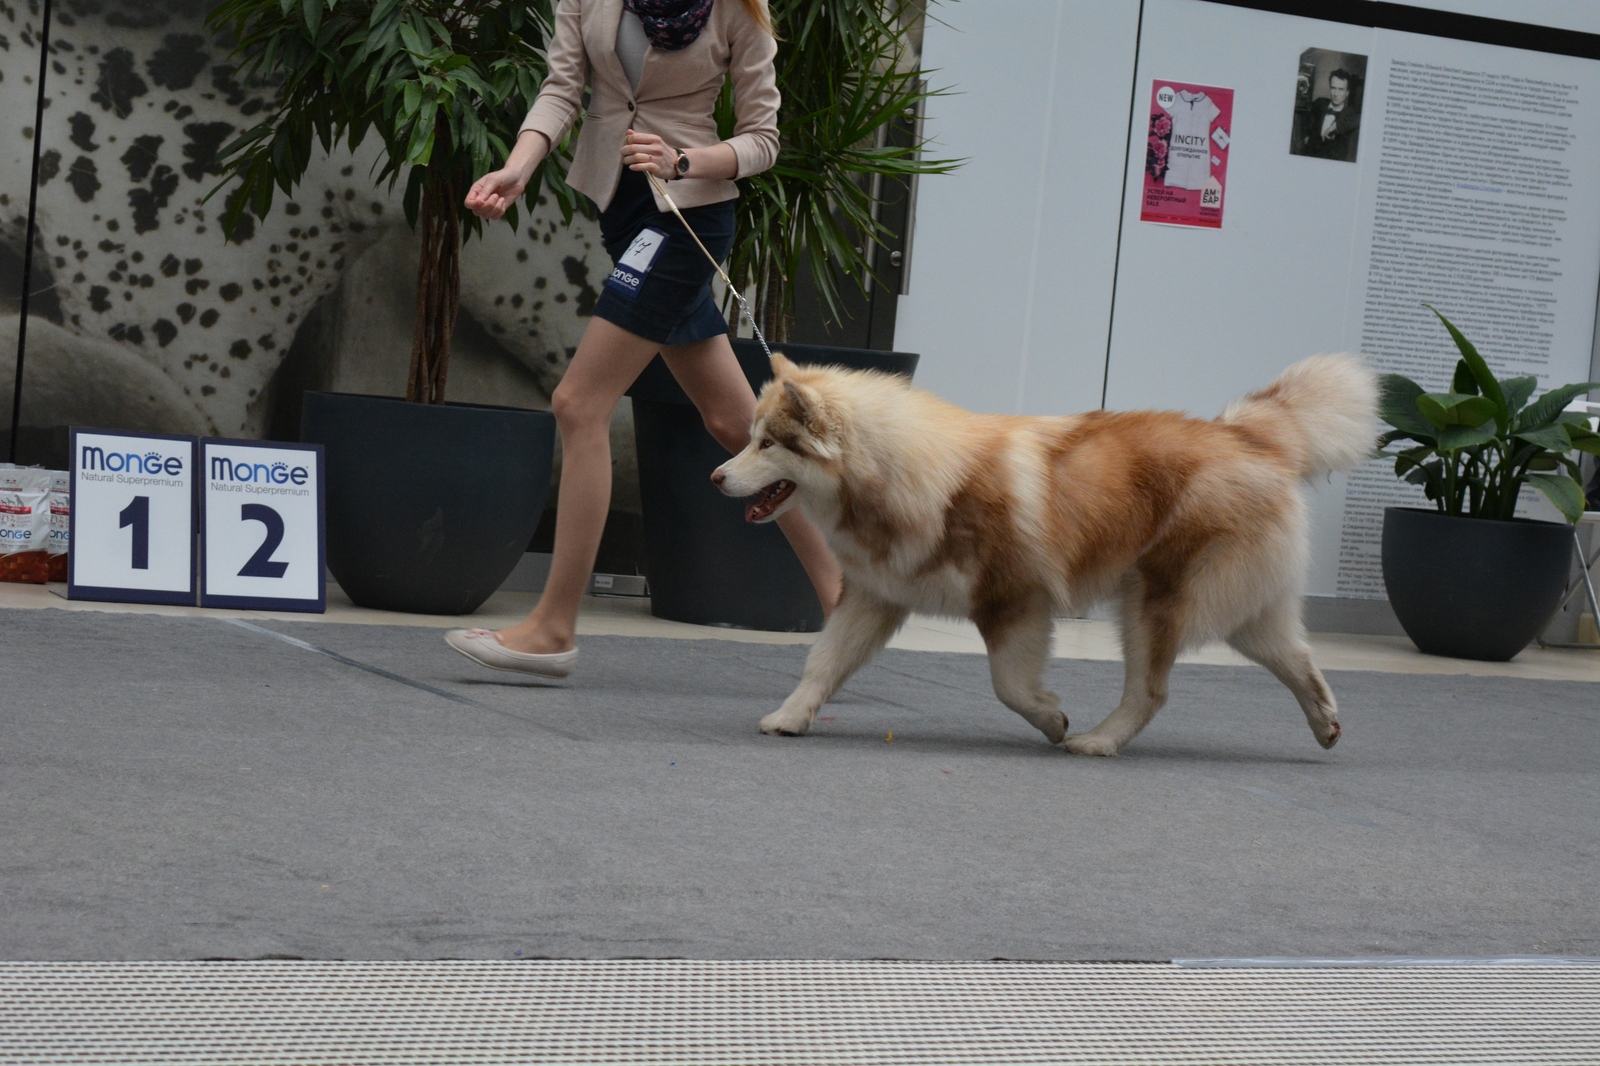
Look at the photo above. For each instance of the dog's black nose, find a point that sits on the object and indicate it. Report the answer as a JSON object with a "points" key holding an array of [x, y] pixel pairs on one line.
{"points": [[718, 477]]}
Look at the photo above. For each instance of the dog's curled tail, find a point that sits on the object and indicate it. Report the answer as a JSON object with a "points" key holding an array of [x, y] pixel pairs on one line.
{"points": [[1324, 408]]}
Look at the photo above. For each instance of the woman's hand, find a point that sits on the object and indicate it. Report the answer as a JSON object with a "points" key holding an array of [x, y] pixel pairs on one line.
{"points": [[648, 153], [493, 193]]}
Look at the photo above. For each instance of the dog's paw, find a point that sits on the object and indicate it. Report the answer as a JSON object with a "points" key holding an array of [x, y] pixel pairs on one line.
{"points": [[786, 723], [1054, 727], [1089, 744], [1329, 734]]}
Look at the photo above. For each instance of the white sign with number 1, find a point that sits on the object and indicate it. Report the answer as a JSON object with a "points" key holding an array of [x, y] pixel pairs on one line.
{"points": [[261, 513], [133, 518]]}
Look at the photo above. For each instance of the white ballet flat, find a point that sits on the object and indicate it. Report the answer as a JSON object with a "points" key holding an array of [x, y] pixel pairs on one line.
{"points": [[480, 646]]}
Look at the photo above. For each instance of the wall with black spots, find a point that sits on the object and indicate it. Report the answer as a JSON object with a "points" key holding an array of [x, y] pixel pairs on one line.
{"points": [[145, 316]]}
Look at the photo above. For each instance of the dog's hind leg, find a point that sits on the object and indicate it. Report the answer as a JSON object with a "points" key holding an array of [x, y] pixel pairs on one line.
{"points": [[1019, 648], [1276, 638], [1151, 636], [856, 630]]}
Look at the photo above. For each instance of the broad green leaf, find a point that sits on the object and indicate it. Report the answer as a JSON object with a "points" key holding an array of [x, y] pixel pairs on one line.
{"points": [[1410, 459], [1488, 384], [422, 135], [313, 13], [1455, 408], [1547, 408], [412, 39], [1554, 438], [1562, 491], [1452, 438], [413, 95], [1518, 390], [1397, 405], [1463, 381]]}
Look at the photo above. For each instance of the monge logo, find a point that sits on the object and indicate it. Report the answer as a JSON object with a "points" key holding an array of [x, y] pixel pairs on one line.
{"points": [[130, 462], [225, 469]]}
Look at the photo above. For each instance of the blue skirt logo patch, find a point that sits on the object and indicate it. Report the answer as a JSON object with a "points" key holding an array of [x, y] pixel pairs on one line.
{"points": [[627, 277]]}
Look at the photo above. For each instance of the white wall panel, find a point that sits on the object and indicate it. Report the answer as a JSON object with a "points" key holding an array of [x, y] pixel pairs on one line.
{"points": [[1011, 273]]}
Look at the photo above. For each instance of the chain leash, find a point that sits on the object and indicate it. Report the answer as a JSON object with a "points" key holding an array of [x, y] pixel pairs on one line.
{"points": [[743, 307]]}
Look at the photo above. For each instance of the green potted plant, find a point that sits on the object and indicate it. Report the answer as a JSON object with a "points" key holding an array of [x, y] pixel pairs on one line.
{"points": [[1468, 578], [430, 505], [848, 85]]}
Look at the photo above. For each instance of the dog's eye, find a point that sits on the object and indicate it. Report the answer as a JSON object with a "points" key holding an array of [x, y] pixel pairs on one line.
{"points": [[766, 442]]}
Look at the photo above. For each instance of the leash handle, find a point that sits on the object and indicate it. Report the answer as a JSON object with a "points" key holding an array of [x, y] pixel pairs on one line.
{"points": [[744, 307]]}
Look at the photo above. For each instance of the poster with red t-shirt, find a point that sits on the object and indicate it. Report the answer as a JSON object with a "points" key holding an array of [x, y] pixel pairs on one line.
{"points": [[1186, 155]]}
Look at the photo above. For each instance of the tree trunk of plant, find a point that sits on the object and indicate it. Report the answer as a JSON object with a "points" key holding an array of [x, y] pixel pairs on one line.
{"points": [[438, 292], [770, 297]]}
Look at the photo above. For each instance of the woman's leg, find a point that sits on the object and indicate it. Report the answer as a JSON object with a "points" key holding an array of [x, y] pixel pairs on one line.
{"points": [[709, 372], [607, 361]]}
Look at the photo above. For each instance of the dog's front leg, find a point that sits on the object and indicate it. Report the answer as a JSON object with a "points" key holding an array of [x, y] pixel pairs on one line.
{"points": [[858, 627], [1019, 649]]}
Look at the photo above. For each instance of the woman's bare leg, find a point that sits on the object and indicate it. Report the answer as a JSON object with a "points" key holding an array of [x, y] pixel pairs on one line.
{"points": [[607, 361], [709, 372]]}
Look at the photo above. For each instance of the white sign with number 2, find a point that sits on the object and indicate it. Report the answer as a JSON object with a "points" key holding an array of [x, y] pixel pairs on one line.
{"points": [[262, 508]]}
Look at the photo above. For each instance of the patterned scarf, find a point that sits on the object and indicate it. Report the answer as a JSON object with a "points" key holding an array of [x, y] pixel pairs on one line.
{"points": [[671, 24]]}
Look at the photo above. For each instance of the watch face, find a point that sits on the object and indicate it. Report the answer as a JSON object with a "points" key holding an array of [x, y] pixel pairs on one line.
{"points": [[683, 164]]}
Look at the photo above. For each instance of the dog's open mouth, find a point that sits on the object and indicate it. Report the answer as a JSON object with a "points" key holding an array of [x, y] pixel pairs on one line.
{"points": [[768, 500]]}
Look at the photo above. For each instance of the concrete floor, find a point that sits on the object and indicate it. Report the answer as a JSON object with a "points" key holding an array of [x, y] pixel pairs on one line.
{"points": [[190, 787]]}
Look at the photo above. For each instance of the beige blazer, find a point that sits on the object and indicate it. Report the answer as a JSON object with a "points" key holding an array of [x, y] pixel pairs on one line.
{"points": [[676, 97]]}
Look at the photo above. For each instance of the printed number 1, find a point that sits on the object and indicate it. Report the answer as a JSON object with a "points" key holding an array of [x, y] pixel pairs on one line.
{"points": [[261, 564], [137, 515]]}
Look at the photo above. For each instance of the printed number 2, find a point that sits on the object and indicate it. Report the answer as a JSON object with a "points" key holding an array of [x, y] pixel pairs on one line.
{"points": [[261, 564], [137, 515]]}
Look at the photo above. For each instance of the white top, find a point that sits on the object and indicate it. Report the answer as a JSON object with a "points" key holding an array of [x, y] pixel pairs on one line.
{"points": [[632, 44], [1189, 151]]}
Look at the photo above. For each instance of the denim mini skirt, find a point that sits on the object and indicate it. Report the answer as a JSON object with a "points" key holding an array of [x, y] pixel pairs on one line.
{"points": [[660, 285]]}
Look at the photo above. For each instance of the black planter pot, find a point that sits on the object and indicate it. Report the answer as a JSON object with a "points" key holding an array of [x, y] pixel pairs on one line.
{"points": [[1473, 588], [429, 506], [706, 564]]}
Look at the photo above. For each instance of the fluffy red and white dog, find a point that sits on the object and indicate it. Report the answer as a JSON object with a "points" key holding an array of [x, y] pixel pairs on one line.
{"points": [[1197, 528]]}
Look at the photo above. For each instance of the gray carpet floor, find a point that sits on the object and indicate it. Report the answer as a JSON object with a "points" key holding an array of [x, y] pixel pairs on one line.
{"points": [[178, 789]]}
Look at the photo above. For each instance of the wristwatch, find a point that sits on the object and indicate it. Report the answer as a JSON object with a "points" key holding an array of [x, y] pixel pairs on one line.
{"points": [[683, 163]]}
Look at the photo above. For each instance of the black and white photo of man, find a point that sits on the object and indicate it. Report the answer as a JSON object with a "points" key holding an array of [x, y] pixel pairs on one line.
{"points": [[1327, 114]]}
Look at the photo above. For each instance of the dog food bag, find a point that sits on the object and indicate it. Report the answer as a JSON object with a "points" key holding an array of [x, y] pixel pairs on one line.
{"points": [[60, 523], [24, 525]]}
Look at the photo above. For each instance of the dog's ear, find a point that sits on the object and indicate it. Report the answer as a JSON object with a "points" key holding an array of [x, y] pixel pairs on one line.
{"points": [[809, 411], [781, 365], [805, 402]]}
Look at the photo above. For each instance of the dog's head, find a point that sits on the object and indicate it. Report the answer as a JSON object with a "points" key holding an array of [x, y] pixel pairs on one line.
{"points": [[795, 443]]}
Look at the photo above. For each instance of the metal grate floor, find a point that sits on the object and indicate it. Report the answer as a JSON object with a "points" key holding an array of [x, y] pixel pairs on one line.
{"points": [[710, 1013]]}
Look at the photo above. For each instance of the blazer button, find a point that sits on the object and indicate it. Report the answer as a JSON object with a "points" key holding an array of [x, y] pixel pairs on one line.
{"points": [[630, 105]]}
